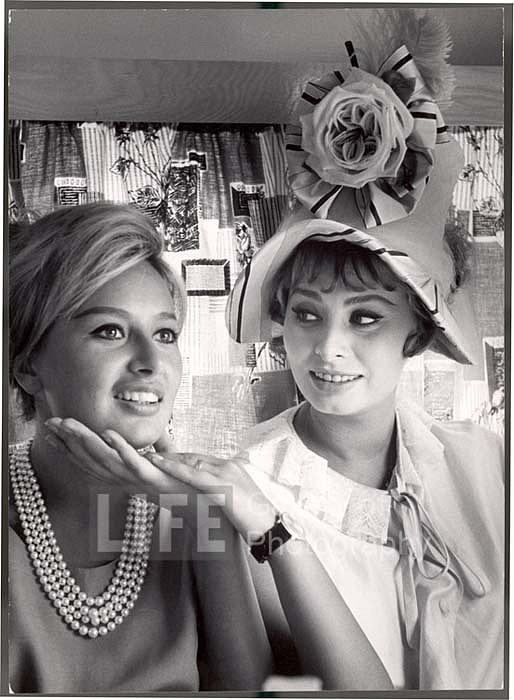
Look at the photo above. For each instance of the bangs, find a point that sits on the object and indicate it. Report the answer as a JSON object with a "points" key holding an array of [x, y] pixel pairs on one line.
{"points": [[340, 262], [357, 269]]}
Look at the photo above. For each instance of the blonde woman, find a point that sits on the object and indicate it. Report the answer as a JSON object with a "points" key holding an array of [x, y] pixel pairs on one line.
{"points": [[94, 318]]}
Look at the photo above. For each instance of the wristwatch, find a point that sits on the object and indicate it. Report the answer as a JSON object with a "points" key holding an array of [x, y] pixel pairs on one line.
{"points": [[284, 529]]}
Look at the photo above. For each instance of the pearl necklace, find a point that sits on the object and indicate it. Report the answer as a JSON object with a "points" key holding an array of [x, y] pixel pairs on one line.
{"points": [[89, 616]]}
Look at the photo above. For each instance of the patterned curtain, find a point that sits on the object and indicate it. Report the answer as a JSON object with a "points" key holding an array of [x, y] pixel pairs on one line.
{"points": [[217, 193]]}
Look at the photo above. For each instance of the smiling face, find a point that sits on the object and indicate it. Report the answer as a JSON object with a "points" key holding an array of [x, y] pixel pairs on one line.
{"points": [[116, 363], [345, 343]]}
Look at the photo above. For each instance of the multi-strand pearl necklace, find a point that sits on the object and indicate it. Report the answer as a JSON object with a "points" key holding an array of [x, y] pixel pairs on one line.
{"points": [[89, 616]]}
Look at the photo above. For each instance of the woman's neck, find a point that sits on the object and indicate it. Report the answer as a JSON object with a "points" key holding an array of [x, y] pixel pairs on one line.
{"points": [[361, 447], [73, 505]]}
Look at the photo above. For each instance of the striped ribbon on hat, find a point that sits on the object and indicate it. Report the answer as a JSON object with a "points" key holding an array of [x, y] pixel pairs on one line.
{"points": [[386, 198]]}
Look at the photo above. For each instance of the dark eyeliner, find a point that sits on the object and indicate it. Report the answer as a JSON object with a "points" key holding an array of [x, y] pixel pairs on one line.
{"points": [[108, 326], [173, 333], [300, 311], [364, 313]]}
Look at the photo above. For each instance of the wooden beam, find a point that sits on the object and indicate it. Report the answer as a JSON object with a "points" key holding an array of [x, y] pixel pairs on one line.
{"points": [[67, 89], [478, 97]]}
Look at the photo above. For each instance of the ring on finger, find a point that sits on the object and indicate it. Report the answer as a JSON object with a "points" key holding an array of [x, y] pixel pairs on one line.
{"points": [[199, 465]]}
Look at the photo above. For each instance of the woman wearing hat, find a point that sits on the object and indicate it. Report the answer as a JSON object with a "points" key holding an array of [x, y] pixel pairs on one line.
{"points": [[405, 514]]}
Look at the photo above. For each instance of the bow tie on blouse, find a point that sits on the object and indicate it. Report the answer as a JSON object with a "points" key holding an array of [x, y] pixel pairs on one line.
{"points": [[426, 557], [421, 547]]}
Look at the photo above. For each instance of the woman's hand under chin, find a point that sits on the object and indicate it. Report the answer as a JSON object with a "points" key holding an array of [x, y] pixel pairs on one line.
{"points": [[93, 455], [111, 459]]}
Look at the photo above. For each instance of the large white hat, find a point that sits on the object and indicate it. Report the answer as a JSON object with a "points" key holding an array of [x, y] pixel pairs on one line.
{"points": [[371, 164]]}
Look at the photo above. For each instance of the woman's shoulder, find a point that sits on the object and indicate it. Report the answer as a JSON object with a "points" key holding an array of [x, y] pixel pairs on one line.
{"points": [[462, 441], [274, 451], [477, 451], [270, 431], [453, 456], [467, 436]]}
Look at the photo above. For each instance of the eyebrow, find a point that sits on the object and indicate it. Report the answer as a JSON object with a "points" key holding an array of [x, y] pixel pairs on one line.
{"points": [[358, 299], [306, 293], [368, 297], [98, 310]]}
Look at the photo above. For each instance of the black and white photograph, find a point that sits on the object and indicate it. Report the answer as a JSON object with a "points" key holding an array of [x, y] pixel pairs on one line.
{"points": [[257, 398]]}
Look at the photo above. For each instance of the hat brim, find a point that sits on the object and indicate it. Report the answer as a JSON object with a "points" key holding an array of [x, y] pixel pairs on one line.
{"points": [[248, 309]]}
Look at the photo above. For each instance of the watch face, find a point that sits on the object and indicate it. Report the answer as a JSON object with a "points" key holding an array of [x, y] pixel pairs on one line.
{"points": [[292, 526]]}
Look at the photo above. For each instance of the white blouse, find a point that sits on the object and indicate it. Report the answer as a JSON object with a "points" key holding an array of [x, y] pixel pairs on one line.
{"points": [[347, 525], [419, 565]]}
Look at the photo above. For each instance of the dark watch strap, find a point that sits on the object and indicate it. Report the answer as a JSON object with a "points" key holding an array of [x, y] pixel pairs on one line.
{"points": [[274, 538]]}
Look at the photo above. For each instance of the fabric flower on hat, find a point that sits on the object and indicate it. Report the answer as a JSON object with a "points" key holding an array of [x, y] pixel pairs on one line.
{"points": [[357, 133], [364, 148]]}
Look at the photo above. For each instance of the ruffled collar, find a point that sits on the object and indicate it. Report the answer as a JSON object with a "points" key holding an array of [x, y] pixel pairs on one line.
{"points": [[355, 509]]}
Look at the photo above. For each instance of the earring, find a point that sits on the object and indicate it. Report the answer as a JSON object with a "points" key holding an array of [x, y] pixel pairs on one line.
{"points": [[169, 428]]}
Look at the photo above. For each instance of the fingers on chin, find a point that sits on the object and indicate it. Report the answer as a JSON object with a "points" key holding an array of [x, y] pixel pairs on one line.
{"points": [[77, 428], [111, 437]]}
